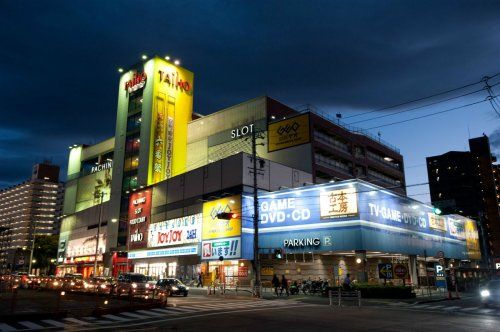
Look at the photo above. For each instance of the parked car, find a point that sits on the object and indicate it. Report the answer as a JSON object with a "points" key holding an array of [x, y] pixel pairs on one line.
{"points": [[172, 286], [135, 284]]}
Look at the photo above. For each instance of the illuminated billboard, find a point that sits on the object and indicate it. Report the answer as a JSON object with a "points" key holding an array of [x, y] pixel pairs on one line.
{"points": [[176, 231], [472, 239], [139, 215], [354, 215], [91, 187], [85, 246], [213, 227], [172, 105], [338, 203], [287, 133]]}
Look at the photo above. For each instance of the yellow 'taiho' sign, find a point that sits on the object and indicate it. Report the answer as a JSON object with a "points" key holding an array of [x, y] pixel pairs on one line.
{"points": [[287, 133], [213, 227], [172, 106]]}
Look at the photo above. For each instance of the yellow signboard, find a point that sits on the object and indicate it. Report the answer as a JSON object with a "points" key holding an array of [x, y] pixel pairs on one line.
{"points": [[472, 239], [287, 133], [213, 227], [338, 203], [172, 106]]}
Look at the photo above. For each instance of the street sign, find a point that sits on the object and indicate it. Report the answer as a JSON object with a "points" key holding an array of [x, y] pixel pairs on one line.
{"points": [[400, 271], [440, 277], [385, 271]]}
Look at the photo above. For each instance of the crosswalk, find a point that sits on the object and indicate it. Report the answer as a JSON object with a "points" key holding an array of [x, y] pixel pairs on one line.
{"points": [[75, 324], [478, 310]]}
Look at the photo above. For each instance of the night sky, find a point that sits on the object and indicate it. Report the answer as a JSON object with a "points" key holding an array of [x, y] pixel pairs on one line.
{"points": [[59, 60]]}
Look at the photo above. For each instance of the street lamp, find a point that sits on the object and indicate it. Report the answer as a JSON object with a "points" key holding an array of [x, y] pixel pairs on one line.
{"points": [[101, 196], [32, 247]]}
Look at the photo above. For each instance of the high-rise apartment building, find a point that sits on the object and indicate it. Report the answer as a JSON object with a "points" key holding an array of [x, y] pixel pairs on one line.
{"points": [[466, 183], [27, 210]]}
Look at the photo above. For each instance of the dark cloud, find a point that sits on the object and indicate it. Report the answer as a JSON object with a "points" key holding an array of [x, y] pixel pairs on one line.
{"points": [[58, 59]]}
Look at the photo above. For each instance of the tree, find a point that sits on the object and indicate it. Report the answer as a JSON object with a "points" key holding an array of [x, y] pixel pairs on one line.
{"points": [[45, 251]]}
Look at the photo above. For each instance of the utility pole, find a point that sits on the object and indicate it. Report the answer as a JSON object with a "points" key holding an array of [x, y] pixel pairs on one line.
{"points": [[256, 265], [32, 247], [98, 234]]}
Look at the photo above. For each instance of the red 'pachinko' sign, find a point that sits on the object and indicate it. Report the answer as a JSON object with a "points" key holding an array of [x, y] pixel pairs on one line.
{"points": [[137, 82], [139, 214]]}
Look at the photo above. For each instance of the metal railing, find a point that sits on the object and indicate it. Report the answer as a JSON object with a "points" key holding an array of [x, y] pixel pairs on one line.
{"points": [[353, 129], [341, 295]]}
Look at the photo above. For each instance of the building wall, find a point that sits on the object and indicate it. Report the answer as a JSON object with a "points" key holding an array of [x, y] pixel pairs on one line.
{"points": [[28, 210], [464, 183]]}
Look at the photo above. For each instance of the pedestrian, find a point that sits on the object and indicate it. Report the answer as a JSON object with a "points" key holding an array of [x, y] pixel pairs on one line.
{"points": [[284, 285], [347, 282], [276, 283], [200, 280]]}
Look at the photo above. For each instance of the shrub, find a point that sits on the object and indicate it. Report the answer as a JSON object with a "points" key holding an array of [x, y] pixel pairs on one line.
{"points": [[384, 292]]}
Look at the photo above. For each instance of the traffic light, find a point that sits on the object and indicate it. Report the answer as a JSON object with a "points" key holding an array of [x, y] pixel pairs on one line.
{"points": [[278, 253], [227, 215]]}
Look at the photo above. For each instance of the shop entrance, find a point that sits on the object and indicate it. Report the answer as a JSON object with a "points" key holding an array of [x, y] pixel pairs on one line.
{"points": [[226, 272]]}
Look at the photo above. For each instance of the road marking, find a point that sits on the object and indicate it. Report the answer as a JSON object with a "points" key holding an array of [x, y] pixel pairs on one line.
{"points": [[436, 307], [6, 327], [421, 306], [161, 310], [469, 309], [74, 320], [180, 309], [485, 311], [115, 318], [166, 319], [30, 325], [451, 308], [54, 323], [147, 312], [131, 314]]}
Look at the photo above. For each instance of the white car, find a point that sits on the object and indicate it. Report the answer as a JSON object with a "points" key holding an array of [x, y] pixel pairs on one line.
{"points": [[490, 293]]}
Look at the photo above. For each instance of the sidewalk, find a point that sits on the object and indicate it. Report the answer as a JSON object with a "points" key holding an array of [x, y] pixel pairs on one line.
{"points": [[422, 296]]}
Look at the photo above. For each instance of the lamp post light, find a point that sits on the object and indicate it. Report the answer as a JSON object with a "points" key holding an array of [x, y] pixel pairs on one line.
{"points": [[101, 196], [32, 247]]}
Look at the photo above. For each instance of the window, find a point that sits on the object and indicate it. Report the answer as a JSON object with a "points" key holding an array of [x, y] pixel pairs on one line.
{"points": [[135, 103], [131, 163], [132, 144], [134, 122]]}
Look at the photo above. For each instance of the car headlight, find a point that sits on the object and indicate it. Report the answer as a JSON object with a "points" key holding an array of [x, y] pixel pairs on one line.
{"points": [[187, 288], [174, 288], [485, 293], [56, 283], [72, 283], [103, 286], [147, 285], [134, 285]]}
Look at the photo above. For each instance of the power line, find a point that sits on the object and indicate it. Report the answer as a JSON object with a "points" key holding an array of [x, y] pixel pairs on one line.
{"points": [[419, 107], [423, 98], [427, 115]]}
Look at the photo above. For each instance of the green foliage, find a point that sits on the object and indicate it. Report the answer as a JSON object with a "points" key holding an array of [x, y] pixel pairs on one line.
{"points": [[45, 250]]}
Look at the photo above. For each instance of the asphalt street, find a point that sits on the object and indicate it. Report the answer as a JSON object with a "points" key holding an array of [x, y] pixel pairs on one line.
{"points": [[202, 313]]}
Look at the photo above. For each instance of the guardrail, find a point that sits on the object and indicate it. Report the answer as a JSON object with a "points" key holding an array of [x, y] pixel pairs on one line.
{"points": [[344, 295]]}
